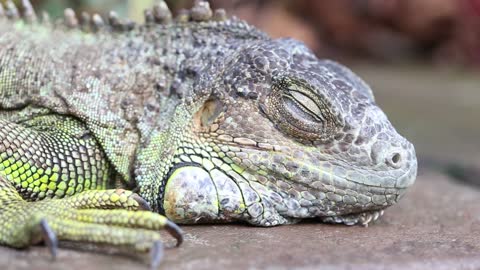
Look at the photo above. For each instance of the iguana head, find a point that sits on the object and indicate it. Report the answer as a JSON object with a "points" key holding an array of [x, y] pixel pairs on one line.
{"points": [[295, 137]]}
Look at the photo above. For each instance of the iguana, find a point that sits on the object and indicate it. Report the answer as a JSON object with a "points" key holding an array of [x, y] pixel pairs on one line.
{"points": [[203, 116]]}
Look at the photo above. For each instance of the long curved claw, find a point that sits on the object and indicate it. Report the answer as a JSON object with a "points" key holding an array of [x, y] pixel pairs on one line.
{"points": [[174, 231], [362, 219], [156, 254], [143, 204], [49, 238], [366, 218]]}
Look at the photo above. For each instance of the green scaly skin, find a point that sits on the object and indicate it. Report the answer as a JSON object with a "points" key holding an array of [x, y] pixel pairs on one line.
{"points": [[207, 118]]}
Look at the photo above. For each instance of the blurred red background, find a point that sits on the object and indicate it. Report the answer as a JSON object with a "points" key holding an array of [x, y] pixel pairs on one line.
{"points": [[442, 32], [438, 31]]}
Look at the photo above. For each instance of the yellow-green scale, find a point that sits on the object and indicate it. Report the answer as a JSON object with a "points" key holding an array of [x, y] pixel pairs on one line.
{"points": [[51, 164]]}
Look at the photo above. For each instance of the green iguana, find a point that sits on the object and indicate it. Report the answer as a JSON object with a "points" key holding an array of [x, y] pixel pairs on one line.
{"points": [[206, 118]]}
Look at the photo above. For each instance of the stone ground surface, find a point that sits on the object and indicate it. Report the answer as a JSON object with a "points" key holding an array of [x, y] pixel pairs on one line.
{"points": [[435, 226]]}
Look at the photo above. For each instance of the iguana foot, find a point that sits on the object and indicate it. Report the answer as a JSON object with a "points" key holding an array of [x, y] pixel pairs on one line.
{"points": [[112, 217], [362, 219]]}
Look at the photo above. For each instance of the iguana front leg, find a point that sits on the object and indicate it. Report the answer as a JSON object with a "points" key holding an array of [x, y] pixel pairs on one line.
{"points": [[36, 182], [82, 217]]}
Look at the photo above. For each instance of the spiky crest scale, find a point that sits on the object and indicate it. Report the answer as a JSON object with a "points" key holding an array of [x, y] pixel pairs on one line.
{"points": [[158, 14]]}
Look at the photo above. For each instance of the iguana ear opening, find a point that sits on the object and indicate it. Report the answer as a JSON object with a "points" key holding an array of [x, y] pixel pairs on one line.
{"points": [[208, 113]]}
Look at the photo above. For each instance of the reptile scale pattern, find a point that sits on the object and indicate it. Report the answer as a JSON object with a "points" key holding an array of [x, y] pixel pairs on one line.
{"points": [[206, 118]]}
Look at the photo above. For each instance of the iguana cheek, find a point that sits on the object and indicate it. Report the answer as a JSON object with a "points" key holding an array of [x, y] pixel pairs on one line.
{"points": [[193, 195], [190, 196]]}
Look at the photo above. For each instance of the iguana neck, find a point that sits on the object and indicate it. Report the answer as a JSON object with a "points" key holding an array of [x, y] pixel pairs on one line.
{"points": [[137, 77]]}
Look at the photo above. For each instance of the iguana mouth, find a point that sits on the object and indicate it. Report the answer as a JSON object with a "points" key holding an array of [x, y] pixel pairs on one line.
{"points": [[399, 177], [403, 177], [239, 184]]}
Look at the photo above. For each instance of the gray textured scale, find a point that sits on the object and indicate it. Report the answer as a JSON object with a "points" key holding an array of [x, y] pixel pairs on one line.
{"points": [[209, 118]]}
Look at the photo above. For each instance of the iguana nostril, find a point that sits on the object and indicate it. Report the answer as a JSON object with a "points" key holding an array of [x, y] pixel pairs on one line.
{"points": [[383, 152], [395, 160]]}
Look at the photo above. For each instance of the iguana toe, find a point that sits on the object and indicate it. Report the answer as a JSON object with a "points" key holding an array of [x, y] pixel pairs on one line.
{"points": [[49, 238]]}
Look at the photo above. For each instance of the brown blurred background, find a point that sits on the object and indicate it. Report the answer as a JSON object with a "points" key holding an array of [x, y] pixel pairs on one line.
{"points": [[442, 32]]}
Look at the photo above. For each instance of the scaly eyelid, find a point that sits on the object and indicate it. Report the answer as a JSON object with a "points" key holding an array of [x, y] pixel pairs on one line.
{"points": [[306, 102]]}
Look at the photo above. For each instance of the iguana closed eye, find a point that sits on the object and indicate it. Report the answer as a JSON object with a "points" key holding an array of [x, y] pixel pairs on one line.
{"points": [[205, 117]]}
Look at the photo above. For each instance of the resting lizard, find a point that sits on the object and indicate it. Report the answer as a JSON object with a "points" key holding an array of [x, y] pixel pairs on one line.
{"points": [[111, 131]]}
